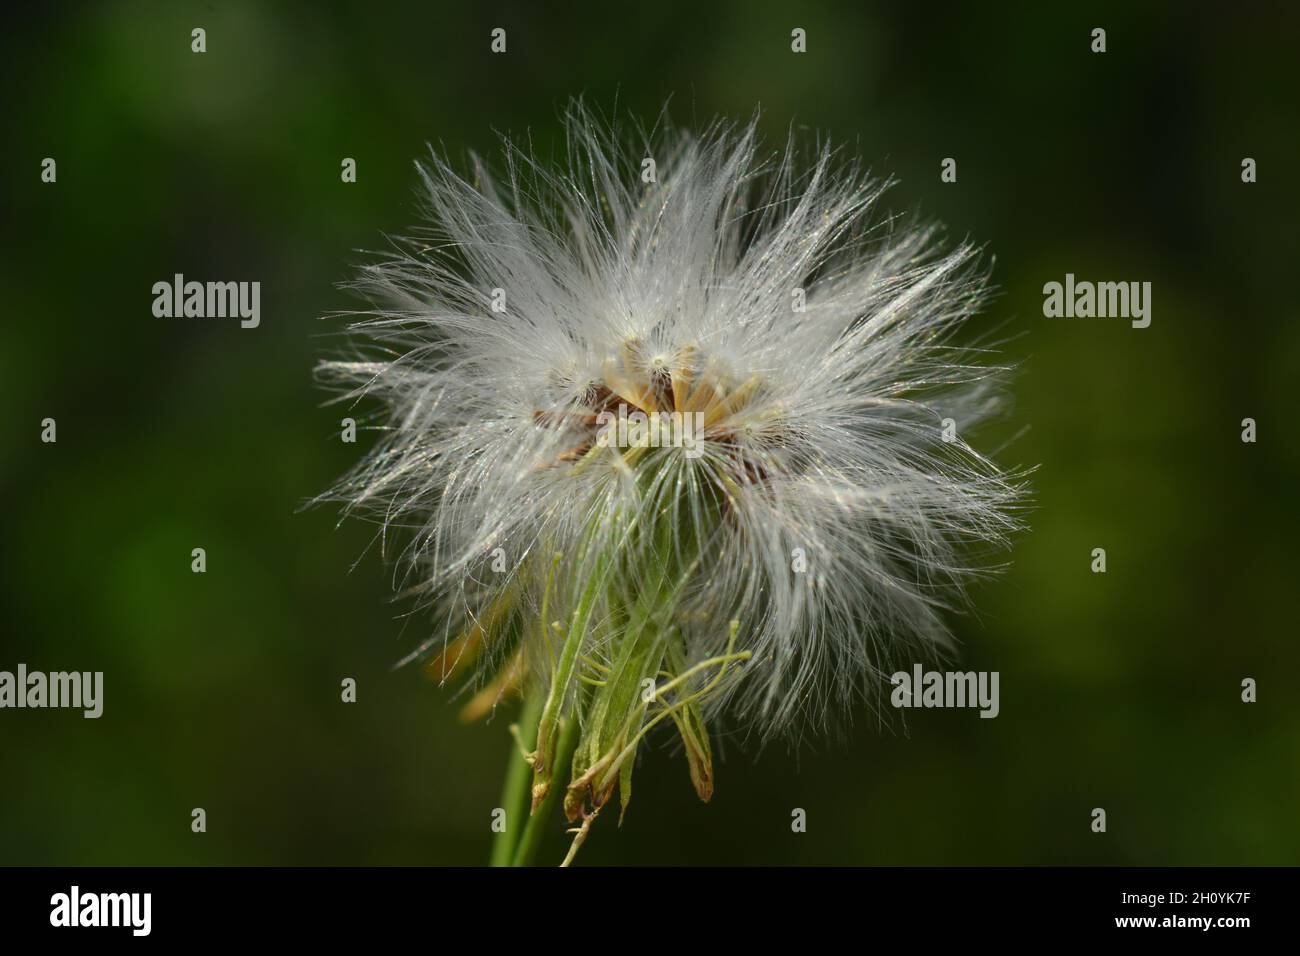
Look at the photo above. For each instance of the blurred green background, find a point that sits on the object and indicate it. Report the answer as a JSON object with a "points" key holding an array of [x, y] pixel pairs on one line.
{"points": [[1119, 691]]}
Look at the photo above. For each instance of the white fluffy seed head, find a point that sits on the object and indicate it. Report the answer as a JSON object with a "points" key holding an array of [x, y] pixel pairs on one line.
{"points": [[823, 510]]}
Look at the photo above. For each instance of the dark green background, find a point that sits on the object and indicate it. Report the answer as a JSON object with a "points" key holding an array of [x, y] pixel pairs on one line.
{"points": [[222, 690]]}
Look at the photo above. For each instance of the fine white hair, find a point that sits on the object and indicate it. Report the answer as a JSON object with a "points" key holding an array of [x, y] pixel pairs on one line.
{"points": [[828, 511]]}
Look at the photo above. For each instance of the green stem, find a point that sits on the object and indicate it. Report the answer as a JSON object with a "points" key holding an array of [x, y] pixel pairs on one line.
{"points": [[543, 816], [545, 759], [514, 794]]}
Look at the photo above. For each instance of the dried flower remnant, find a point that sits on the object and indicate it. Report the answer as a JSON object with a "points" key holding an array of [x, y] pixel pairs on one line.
{"points": [[766, 570]]}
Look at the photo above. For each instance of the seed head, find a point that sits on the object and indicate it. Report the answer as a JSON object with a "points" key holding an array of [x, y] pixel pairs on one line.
{"points": [[787, 517]]}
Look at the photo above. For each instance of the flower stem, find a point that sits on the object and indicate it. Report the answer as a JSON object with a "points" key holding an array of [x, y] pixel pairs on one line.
{"points": [[545, 756], [519, 775], [543, 815]]}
